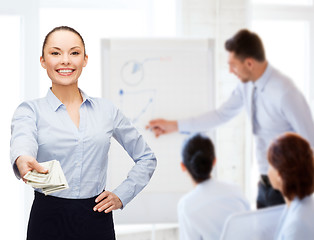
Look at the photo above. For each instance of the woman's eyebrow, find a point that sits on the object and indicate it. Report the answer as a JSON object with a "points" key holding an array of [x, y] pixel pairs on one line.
{"points": [[75, 47], [70, 48], [56, 48]]}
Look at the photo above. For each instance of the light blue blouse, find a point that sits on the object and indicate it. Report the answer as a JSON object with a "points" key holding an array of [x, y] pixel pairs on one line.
{"points": [[43, 129], [280, 108], [296, 222]]}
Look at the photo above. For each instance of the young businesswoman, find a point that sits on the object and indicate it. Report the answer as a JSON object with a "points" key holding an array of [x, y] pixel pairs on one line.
{"points": [[75, 129], [292, 173], [203, 211]]}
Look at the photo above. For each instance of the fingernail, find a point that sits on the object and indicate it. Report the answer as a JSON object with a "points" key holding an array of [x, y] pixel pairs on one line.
{"points": [[95, 209]]}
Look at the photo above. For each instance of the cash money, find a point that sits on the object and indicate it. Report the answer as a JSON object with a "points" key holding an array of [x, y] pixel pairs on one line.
{"points": [[50, 182]]}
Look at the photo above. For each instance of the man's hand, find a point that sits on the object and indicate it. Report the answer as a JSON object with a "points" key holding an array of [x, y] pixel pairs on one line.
{"points": [[27, 163], [107, 201], [162, 126]]}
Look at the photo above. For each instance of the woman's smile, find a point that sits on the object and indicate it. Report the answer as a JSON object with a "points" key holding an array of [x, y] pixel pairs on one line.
{"points": [[65, 71]]}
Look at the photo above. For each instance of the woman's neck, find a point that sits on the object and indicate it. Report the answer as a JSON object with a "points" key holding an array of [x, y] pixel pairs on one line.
{"points": [[288, 202], [67, 94]]}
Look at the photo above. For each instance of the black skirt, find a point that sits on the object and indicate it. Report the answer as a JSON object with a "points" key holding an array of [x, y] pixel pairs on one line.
{"points": [[65, 219]]}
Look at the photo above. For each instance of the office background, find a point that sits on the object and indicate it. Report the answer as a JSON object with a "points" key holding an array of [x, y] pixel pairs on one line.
{"points": [[286, 27]]}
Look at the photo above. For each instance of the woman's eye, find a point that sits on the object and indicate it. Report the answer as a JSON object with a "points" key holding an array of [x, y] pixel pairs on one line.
{"points": [[75, 53], [54, 53]]}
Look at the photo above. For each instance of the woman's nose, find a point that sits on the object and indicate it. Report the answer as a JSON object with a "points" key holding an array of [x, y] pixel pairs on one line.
{"points": [[65, 59]]}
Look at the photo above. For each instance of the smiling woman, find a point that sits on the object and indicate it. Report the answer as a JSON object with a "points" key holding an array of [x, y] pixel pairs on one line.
{"points": [[75, 129], [63, 60]]}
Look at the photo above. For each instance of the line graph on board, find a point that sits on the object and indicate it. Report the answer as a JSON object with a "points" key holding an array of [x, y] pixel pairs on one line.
{"points": [[132, 71], [138, 102]]}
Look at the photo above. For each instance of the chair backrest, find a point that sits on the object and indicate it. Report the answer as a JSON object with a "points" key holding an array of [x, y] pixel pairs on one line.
{"points": [[253, 225]]}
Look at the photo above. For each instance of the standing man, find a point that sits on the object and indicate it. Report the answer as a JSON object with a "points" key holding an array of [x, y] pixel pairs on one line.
{"points": [[271, 100]]}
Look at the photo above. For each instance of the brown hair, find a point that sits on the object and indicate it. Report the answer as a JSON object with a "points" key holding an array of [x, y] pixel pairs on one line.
{"points": [[62, 28], [292, 156], [246, 44]]}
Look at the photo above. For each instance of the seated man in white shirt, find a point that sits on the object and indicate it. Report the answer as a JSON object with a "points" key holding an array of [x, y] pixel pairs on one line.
{"points": [[203, 211]]}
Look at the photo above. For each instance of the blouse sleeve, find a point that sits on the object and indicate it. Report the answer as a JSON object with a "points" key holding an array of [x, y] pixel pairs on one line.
{"points": [[23, 134], [145, 161]]}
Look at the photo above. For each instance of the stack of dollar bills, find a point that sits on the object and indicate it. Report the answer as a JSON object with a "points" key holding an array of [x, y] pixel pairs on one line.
{"points": [[50, 182]]}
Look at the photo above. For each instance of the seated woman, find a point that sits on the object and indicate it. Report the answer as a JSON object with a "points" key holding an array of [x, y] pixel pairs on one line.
{"points": [[203, 211], [291, 171]]}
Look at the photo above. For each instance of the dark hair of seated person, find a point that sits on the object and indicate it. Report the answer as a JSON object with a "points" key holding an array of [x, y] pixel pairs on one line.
{"points": [[198, 157], [292, 156]]}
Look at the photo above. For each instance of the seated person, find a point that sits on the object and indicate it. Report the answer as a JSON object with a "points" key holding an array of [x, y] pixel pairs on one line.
{"points": [[203, 211], [291, 171]]}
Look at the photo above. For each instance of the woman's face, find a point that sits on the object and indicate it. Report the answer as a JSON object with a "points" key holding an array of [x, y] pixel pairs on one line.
{"points": [[274, 178], [64, 58]]}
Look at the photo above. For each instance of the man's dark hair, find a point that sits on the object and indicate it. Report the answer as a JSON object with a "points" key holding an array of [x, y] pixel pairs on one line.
{"points": [[246, 44]]}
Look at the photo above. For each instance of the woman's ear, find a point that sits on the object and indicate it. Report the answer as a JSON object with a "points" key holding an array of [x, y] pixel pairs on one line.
{"points": [[279, 179], [85, 60], [42, 62], [183, 167], [214, 162]]}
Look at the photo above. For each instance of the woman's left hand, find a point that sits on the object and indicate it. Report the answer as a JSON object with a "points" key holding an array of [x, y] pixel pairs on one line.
{"points": [[107, 201]]}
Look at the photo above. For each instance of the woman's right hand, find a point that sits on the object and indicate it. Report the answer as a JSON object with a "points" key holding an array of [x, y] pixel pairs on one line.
{"points": [[27, 163]]}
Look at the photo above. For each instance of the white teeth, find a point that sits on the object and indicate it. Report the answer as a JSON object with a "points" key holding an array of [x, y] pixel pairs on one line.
{"points": [[65, 71]]}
